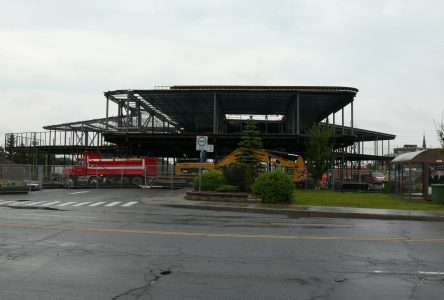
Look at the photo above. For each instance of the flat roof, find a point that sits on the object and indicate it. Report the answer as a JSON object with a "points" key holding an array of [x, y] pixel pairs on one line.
{"points": [[188, 105]]}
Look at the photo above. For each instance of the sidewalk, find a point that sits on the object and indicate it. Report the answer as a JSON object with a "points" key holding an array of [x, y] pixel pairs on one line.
{"points": [[176, 199]]}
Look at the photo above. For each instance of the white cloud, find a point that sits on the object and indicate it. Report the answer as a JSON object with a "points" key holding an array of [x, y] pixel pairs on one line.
{"points": [[57, 57]]}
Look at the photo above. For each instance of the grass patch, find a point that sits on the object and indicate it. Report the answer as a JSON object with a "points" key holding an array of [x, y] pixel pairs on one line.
{"points": [[361, 200]]}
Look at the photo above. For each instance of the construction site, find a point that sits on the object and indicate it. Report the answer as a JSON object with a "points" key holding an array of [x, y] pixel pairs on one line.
{"points": [[145, 137]]}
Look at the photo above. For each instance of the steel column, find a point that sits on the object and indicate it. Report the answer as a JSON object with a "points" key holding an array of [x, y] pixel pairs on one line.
{"points": [[214, 114], [298, 125], [343, 128], [107, 115], [352, 123]]}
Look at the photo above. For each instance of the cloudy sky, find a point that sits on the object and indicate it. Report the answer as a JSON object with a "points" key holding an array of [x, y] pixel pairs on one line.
{"points": [[57, 57]]}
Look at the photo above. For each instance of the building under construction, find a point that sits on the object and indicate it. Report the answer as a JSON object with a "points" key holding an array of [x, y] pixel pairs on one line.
{"points": [[165, 121]]}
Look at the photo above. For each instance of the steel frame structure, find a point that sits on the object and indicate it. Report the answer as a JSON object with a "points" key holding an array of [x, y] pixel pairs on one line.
{"points": [[167, 119]]}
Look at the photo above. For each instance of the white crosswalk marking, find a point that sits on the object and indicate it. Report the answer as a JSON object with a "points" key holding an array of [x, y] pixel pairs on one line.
{"points": [[13, 202], [96, 204], [34, 203], [66, 203], [50, 203], [82, 203], [19, 202], [7, 202], [81, 192]]}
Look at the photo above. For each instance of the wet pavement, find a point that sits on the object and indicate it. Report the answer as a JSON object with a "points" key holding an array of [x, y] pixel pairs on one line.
{"points": [[153, 251]]}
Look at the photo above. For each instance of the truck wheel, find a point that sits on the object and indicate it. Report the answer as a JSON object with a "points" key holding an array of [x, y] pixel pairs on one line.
{"points": [[94, 180], [108, 180], [69, 183], [125, 181], [137, 180]]}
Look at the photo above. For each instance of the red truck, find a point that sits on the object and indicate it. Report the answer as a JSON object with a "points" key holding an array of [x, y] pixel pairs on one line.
{"points": [[91, 169]]}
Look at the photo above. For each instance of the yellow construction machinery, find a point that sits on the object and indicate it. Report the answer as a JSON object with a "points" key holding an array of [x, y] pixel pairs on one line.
{"points": [[296, 168]]}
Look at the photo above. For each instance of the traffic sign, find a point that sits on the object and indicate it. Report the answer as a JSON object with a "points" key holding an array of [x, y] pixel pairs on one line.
{"points": [[201, 142], [210, 148]]}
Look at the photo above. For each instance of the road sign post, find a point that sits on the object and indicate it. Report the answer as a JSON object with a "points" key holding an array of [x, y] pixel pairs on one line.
{"points": [[201, 145], [201, 142]]}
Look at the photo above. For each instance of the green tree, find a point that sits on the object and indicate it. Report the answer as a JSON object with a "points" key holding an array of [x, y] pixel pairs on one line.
{"points": [[21, 156], [248, 158], [319, 151], [440, 132], [2, 154], [10, 144]]}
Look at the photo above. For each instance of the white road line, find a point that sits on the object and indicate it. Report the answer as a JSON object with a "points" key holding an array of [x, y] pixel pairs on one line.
{"points": [[66, 203], [50, 203], [430, 273], [113, 203], [3, 201], [323, 225], [96, 204], [130, 203], [419, 272], [82, 203], [82, 192], [34, 203]]}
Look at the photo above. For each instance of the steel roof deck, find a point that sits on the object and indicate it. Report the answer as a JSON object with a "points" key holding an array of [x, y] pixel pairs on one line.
{"points": [[191, 105]]}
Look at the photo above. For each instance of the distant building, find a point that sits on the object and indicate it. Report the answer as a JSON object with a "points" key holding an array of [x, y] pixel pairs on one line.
{"points": [[407, 149], [410, 148]]}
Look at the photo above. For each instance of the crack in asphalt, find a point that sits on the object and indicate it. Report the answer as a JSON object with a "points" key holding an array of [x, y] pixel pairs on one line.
{"points": [[14, 256], [150, 278], [415, 287], [11, 257], [326, 295]]}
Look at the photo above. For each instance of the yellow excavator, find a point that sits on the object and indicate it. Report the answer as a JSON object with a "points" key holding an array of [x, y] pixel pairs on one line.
{"points": [[296, 168]]}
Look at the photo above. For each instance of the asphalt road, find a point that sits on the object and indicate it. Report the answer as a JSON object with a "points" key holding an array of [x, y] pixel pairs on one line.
{"points": [[147, 251]]}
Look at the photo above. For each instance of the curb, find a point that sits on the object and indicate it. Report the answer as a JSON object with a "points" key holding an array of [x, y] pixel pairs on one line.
{"points": [[310, 213]]}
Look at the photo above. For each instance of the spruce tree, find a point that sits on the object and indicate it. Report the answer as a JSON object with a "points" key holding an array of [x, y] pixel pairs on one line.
{"points": [[10, 144], [440, 133], [2, 154], [249, 147]]}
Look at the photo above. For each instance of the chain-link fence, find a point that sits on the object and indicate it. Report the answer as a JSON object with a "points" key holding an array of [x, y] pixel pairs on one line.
{"points": [[373, 179], [27, 177], [116, 176], [15, 178]]}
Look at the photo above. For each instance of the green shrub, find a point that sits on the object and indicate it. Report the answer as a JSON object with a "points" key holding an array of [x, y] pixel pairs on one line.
{"points": [[273, 187], [227, 188], [233, 175], [211, 180]]}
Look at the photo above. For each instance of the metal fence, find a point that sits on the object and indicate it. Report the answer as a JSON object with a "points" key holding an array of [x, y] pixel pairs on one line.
{"points": [[27, 177], [15, 178], [115, 176], [373, 178]]}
